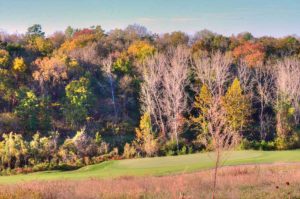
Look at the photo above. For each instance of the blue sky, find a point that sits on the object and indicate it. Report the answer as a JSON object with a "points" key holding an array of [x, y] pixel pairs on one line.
{"points": [[261, 17]]}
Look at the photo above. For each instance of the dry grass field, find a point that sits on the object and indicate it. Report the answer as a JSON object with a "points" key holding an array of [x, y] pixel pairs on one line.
{"points": [[248, 181]]}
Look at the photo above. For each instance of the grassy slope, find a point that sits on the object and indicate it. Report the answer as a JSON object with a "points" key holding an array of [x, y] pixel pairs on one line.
{"points": [[158, 166]]}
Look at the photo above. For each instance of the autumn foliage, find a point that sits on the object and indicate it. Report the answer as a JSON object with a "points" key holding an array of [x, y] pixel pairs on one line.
{"points": [[252, 53]]}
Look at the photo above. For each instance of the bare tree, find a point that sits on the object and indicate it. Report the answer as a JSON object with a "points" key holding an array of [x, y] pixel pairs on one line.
{"points": [[151, 90], [288, 82], [214, 71], [163, 90], [287, 89], [174, 83], [245, 76], [264, 81], [107, 66], [219, 136]]}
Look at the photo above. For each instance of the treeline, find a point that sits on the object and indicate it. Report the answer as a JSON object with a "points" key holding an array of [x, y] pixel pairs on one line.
{"points": [[134, 93]]}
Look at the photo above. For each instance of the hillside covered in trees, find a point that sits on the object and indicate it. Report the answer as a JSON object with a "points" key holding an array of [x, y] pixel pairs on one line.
{"points": [[85, 95]]}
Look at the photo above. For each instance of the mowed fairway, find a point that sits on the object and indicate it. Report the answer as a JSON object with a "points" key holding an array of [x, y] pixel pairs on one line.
{"points": [[157, 166]]}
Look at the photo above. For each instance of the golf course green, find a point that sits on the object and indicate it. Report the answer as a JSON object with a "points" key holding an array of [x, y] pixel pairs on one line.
{"points": [[157, 166]]}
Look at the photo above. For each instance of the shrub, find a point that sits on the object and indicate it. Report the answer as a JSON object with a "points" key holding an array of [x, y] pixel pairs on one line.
{"points": [[9, 121], [267, 145], [41, 167], [129, 151], [290, 142], [183, 151], [256, 145], [170, 148]]}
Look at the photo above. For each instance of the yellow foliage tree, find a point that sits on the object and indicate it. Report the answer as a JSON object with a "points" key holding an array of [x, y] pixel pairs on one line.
{"points": [[237, 107], [145, 140], [4, 57], [79, 41], [45, 46], [202, 104], [19, 64], [141, 50]]}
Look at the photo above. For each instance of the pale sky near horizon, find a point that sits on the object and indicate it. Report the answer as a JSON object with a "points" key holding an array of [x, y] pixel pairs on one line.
{"points": [[260, 17]]}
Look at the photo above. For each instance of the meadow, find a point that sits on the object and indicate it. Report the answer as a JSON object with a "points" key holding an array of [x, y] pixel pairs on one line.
{"points": [[167, 177]]}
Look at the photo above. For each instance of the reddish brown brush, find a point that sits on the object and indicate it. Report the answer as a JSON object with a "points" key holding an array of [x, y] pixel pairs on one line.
{"points": [[279, 181]]}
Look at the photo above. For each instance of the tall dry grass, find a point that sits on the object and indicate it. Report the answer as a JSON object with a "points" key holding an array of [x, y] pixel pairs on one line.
{"points": [[249, 182]]}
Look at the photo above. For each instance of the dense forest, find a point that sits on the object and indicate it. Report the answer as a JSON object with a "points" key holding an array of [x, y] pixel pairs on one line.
{"points": [[85, 95]]}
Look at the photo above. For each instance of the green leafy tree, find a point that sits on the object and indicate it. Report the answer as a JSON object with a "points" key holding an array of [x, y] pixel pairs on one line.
{"points": [[7, 88], [69, 32], [79, 99], [28, 109], [122, 64], [35, 31], [44, 114]]}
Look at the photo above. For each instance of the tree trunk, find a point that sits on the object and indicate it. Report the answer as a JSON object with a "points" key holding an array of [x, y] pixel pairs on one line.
{"points": [[215, 177]]}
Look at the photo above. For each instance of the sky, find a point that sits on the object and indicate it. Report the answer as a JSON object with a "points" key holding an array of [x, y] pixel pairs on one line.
{"points": [[260, 17]]}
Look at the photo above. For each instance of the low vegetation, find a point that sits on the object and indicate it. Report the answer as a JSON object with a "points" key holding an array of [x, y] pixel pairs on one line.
{"points": [[248, 182]]}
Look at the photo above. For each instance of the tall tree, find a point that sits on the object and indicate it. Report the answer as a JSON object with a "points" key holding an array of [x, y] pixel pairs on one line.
{"points": [[28, 109], [287, 100], [237, 107], [79, 98], [163, 90], [213, 71], [264, 80], [35, 31], [202, 104], [145, 138]]}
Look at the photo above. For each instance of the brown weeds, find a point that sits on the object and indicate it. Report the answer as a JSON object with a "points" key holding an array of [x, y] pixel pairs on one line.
{"points": [[265, 181]]}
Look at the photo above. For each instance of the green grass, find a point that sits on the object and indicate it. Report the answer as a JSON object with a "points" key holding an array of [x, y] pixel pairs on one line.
{"points": [[157, 166]]}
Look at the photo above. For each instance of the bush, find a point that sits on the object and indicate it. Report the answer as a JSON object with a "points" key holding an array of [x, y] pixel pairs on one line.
{"points": [[41, 167], [190, 150], [65, 167], [290, 142], [170, 148], [266, 146], [9, 122], [183, 150], [256, 145], [129, 151]]}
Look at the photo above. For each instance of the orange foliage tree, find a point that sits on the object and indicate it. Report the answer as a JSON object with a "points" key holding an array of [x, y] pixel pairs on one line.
{"points": [[252, 53]]}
